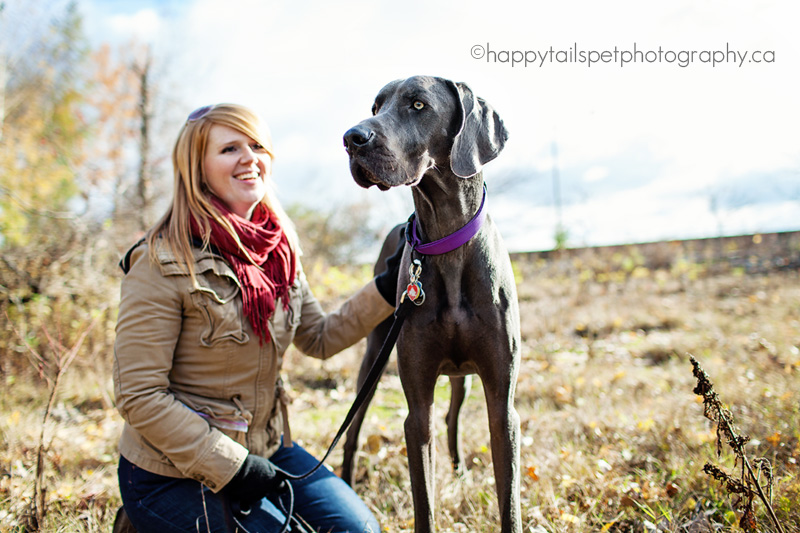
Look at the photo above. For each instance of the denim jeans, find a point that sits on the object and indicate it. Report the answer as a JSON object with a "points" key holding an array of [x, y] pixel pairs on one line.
{"points": [[161, 504]]}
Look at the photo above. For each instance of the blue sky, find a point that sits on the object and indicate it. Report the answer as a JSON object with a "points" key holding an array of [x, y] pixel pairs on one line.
{"points": [[645, 151]]}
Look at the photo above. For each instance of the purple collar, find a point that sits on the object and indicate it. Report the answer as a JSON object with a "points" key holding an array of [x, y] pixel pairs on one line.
{"points": [[452, 241]]}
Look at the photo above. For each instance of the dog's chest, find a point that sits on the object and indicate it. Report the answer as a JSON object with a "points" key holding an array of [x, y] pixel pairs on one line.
{"points": [[448, 334]]}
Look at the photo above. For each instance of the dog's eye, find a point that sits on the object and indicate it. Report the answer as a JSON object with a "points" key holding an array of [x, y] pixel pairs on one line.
{"points": [[418, 105]]}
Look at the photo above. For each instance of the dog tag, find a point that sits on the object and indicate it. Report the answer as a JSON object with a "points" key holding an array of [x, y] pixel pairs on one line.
{"points": [[414, 289], [415, 293]]}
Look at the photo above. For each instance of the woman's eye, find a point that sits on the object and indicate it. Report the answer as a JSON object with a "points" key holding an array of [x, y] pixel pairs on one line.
{"points": [[418, 105], [257, 147], [228, 149]]}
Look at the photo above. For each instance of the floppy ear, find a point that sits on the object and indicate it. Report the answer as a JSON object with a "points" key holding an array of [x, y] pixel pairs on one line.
{"points": [[481, 136]]}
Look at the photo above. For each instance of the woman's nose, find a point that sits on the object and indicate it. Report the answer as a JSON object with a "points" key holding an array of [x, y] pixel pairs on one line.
{"points": [[248, 155]]}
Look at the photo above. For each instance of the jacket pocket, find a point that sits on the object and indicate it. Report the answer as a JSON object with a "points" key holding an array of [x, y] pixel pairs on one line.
{"points": [[216, 298], [229, 417]]}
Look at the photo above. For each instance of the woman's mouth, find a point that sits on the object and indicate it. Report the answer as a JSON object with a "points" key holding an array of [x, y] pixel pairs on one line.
{"points": [[248, 176]]}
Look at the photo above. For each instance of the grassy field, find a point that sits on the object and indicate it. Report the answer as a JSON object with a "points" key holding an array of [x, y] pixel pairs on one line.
{"points": [[613, 438]]}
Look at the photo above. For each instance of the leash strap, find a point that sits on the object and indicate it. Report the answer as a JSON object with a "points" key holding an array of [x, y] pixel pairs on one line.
{"points": [[414, 299], [370, 383]]}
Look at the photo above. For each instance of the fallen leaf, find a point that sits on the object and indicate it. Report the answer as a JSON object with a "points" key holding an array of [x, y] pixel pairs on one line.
{"points": [[532, 473], [570, 518], [626, 501], [374, 443], [672, 489]]}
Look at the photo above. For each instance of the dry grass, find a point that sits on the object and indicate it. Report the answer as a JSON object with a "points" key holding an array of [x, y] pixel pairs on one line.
{"points": [[613, 439]]}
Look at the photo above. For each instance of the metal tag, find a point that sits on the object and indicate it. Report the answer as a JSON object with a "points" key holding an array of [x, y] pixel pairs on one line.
{"points": [[414, 290]]}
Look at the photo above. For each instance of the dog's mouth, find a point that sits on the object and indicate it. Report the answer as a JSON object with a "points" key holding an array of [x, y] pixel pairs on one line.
{"points": [[365, 177], [382, 169]]}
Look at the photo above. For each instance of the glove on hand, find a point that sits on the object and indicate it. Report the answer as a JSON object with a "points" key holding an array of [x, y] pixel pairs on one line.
{"points": [[387, 280], [255, 479]]}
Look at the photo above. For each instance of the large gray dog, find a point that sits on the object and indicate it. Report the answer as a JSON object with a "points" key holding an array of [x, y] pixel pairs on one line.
{"points": [[435, 136]]}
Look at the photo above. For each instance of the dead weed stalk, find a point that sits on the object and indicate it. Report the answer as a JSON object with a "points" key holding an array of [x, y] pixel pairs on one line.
{"points": [[51, 367], [746, 484]]}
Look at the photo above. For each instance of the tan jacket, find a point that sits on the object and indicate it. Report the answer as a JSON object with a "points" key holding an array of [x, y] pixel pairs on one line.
{"points": [[195, 386]]}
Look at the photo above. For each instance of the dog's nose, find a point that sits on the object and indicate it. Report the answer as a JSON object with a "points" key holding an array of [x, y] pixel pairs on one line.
{"points": [[358, 136]]}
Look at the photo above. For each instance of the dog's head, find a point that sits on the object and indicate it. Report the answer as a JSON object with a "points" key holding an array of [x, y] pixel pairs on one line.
{"points": [[419, 124]]}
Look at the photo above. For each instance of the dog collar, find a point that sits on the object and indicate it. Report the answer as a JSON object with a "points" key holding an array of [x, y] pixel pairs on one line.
{"points": [[450, 242]]}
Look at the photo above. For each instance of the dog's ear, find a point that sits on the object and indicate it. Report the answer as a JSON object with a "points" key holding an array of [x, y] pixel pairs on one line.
{"points": [[481, 136]]}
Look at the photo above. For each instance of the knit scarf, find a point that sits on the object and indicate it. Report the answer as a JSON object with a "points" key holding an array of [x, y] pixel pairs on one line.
{"points": [[266, 243]]}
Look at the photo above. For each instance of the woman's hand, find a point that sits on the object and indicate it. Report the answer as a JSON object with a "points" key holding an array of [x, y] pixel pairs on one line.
{"points": [[255, 479]]}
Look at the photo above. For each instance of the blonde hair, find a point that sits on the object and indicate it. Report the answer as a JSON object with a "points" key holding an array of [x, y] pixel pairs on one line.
{"points": [[190, 196]]}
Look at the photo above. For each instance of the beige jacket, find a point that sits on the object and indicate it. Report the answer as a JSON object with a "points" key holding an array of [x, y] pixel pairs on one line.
{"points": [[195, 386]]}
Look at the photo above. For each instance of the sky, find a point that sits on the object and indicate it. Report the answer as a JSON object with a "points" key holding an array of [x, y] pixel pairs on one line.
{"points": [[684, 125]]}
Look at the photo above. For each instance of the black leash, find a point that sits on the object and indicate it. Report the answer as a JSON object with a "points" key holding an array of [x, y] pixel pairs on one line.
{"points": [[370, 383], [378, 367]]}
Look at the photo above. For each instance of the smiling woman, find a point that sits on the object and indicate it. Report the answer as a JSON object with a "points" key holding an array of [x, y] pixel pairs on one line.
{"points": [[210, 301]]}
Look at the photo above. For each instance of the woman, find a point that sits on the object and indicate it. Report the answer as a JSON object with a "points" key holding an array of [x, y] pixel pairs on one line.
{"points": [[210, 302]]}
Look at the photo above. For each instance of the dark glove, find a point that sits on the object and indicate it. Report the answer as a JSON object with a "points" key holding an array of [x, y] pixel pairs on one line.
{"points": [[387, 280], [255, 479]]}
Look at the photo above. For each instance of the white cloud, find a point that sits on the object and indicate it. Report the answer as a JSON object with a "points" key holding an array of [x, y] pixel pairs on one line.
{"points": [[596, 173], [144, 25], [312, 70]]}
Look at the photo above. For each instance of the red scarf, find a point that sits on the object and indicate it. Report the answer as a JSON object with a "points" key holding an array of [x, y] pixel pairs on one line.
{"points": [[264, 239]]}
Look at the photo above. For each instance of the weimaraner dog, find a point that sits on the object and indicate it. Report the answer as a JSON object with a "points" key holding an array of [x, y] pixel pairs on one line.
{"points": [[435, 136]]}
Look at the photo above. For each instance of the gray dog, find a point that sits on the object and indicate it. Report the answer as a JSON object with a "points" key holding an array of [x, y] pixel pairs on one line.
{"points": [[435, 136]]}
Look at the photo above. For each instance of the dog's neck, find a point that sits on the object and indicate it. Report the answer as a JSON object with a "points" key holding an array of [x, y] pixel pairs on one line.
{"points": [[444, 203]]}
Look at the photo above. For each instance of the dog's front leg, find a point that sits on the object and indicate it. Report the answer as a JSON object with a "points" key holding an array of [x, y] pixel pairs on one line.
{"points": [[420, 445], [504, 433], [421, 464]]}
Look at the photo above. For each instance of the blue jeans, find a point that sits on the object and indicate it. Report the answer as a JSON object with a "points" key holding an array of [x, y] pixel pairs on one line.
{"points": [[161, 504]]}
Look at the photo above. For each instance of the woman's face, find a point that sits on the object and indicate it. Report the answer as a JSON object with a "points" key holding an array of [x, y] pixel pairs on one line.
{"points": [[236, 169]]}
